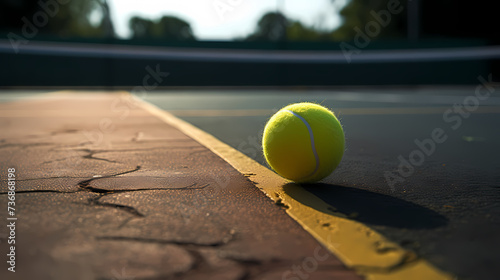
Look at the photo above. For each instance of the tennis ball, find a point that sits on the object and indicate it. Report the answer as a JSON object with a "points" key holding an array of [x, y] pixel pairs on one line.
{"points": [[303, 142]]}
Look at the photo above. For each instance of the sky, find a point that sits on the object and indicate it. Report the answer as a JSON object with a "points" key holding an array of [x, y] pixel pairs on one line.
{"points": [[225, 19]]}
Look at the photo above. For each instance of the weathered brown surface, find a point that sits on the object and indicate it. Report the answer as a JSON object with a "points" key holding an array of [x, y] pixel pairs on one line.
{"points": [[107, 191]]}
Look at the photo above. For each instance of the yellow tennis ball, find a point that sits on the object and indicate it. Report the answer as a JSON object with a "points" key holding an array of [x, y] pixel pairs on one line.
{"points": [[303, 142]]}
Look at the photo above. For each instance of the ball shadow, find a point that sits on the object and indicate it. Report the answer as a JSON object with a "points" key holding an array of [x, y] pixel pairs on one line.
{"points": [[369, 207]]}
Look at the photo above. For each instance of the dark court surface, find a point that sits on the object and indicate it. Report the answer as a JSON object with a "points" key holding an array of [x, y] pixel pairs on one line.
{"points": [[445, 206]]}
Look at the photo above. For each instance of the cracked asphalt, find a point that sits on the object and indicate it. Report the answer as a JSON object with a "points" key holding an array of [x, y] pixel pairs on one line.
{"points": [[105, 190]]}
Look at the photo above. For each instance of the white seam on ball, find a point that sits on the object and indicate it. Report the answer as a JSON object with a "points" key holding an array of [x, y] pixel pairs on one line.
{"points": [[311, 135]]}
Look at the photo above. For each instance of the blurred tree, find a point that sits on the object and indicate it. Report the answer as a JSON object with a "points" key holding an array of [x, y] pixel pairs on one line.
{"points": [[76, 18], [358, 13], [107, 22], [271, 27], [436, 19], [141, 27], [275, 26], [168, 27], [296, 31]]}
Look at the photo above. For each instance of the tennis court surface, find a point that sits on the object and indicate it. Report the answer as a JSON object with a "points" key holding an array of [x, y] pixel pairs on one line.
{"points": [[172, 185]]}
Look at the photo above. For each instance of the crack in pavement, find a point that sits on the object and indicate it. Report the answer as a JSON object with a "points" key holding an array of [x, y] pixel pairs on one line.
{"points": [[95, 201], [46, 178], [43, 191], [250, 269], [56, 160], [104, 191], [125, 222], [200, 268], [219, 243], [199, 262], [85, 185], [91, 155]]}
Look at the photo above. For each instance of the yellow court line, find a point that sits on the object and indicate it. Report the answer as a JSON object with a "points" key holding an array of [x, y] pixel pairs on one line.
{"points": [[339, 111], [357, 245]]}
